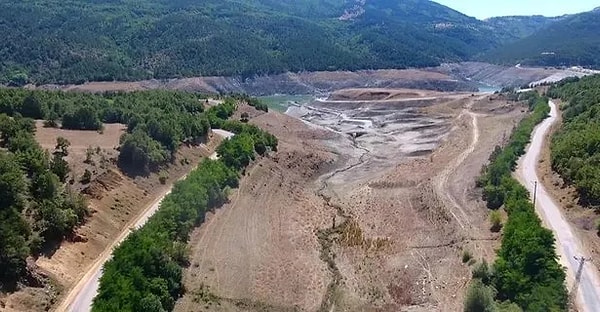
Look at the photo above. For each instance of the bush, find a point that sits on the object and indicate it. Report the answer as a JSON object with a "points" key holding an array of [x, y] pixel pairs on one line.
{"points": [[86, 177], [482, 272], [466, 256], [480, 298], [163, 178], [496, 221], [245, 117], [50, 123]]}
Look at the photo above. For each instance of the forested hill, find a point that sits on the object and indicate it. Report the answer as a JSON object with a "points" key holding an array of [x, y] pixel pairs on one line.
{"points": [[576, 146], [71, 41], [518, 27], [573, 40]]}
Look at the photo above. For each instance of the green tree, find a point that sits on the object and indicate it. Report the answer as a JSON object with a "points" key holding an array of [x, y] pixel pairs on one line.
{"points": [[32, 107], [45, 186], [238, 151], [482, 272], [12, 182], [139, 151], [86, 177], [62, 146], [82, 118], [60, 167]]}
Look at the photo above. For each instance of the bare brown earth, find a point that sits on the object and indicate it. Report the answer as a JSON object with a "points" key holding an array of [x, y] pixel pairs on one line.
{"points": [[287, 83], [378, 94], [582, 219], [447, 77], [332, 222], [115, 200]]}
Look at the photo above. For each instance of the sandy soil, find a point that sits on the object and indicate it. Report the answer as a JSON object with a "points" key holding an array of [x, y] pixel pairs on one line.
{"points": [[260, 251], [114, 200], [351, 218]]}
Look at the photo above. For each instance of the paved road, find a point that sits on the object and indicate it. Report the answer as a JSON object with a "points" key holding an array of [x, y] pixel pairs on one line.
{"points": [[568, 244], [81, 297]]}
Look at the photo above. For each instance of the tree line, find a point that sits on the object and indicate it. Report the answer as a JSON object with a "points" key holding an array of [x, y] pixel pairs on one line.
{"points": [[37, 206], [145, 271], [526, 275], [575, 147], [158, 122]]}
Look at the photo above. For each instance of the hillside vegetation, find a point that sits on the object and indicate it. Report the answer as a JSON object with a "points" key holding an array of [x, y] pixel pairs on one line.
{"points": [[518, 27], [73, 41], [37, 206], [570, 41], [576, 146], [145, 271], [526, 272]]}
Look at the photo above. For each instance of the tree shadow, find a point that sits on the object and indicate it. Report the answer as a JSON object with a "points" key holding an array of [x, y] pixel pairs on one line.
{"points": [[133, 171]]}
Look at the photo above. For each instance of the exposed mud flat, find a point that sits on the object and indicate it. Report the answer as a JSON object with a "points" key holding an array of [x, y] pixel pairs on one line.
{"points": [[379, 133], [289, 83], [465, 76], [502, 76]]}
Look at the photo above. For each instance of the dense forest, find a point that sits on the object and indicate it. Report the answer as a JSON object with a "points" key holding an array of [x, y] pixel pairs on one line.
{"points": [[519, 27], [37, 207], [73, 41], [570, 41], [576, 146], [526, 272], [145, 271]]}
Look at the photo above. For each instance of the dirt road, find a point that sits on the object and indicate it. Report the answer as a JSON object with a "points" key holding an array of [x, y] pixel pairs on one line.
{"points": [[81, 296], [583, 280], [441, 181]]}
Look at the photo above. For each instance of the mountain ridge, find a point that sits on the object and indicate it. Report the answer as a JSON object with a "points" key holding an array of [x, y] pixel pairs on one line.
{"points": [[74, 41], [569, 41]]}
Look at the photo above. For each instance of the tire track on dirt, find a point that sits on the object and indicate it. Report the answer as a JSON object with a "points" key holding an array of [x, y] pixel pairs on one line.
{"points": [[441, 180], [225, 219]]}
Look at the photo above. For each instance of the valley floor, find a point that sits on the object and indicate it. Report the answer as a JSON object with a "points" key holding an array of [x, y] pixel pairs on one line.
{"points": [[369, 206]]}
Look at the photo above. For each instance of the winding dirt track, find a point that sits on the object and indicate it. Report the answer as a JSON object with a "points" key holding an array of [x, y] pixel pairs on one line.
{"points": [[441, 180]]}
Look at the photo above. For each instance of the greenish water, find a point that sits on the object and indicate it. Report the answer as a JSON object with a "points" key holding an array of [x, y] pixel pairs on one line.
{"points": [[488, 88], [281, 102]]}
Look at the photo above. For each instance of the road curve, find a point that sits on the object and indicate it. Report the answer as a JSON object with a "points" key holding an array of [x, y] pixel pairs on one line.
{"points": [[82, 295], [568, 246]]}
